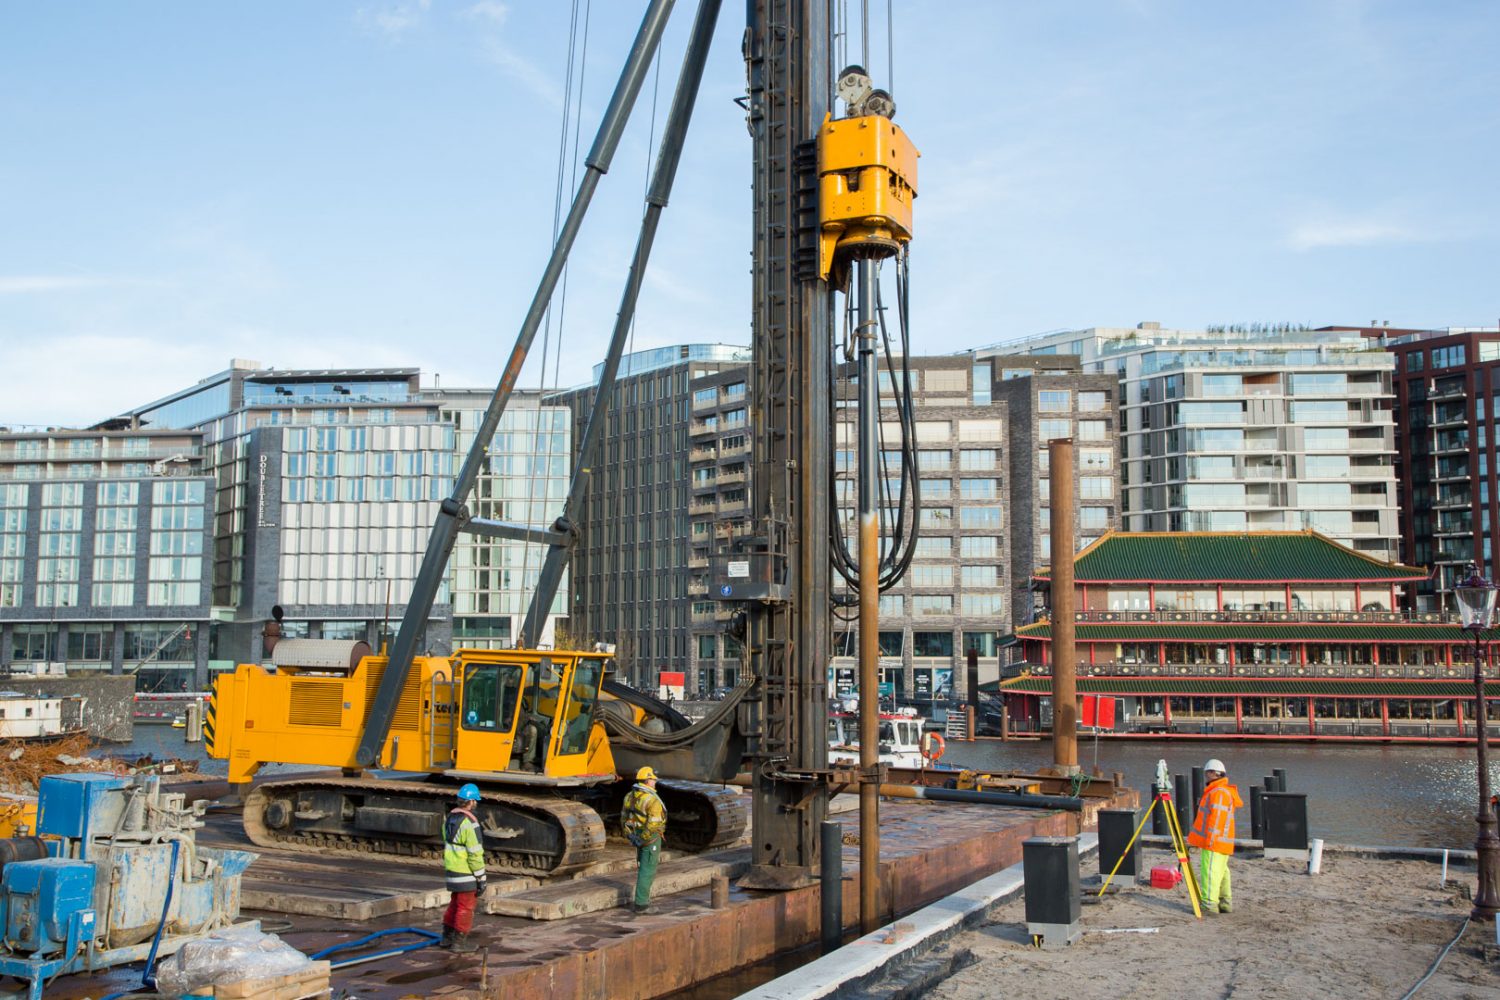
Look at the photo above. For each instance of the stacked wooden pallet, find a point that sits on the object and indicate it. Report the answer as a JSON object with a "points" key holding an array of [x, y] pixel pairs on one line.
{"points": [[310, 983]]}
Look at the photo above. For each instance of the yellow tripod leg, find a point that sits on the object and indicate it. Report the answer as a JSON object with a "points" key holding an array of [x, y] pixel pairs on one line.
{"points": [[1180, 846], [1121, 859]]}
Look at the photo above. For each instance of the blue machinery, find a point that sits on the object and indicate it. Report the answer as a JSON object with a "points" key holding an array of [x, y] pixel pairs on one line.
{"points": [[114, 876]]}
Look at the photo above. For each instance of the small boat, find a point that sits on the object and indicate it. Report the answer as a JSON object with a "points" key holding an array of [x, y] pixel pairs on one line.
{"points": [[36, 718], [900, 738], [179, 722]]}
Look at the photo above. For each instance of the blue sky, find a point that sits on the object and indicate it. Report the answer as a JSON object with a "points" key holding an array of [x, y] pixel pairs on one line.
{"points": [[372, 183]]}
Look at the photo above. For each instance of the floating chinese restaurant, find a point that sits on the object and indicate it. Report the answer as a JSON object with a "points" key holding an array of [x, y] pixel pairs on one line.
{"points": [[1284, 635]]}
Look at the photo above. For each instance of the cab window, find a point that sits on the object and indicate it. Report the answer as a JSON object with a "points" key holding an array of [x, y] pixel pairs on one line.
{"points": [[579, 714], [491, 693]]}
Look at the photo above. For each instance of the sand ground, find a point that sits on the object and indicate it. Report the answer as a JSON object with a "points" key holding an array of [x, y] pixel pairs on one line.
{"points": [[1361, 928]]}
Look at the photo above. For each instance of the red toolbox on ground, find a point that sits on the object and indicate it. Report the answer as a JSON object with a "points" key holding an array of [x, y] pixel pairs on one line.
{"points": [[1165, 877]]}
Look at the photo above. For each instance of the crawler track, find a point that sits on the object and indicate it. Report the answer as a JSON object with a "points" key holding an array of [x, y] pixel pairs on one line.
{"points": [[703, 817], [535, 834]]}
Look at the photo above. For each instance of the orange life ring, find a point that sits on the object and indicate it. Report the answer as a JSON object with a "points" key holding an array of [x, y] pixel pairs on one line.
{"points": [[933, 746]]}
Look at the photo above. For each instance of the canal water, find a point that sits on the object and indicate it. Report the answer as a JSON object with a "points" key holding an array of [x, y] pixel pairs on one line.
{"points": [[1418, 796], [1378, 795]]}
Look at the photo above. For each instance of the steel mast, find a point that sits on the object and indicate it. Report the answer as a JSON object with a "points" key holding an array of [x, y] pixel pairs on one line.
{"points": [[788, 60]]}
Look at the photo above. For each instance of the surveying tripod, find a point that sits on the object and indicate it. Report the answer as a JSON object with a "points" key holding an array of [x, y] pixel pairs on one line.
{"points": [[1163, 797]]}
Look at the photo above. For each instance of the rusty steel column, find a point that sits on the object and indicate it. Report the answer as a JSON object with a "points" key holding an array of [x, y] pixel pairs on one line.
{"points": [[869, 605], [1064, 649]]}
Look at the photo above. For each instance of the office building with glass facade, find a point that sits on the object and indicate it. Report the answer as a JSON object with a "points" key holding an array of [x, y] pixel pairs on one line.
{"points": [[103, 542], [524, 481], [1248, 431], [326, 482]]}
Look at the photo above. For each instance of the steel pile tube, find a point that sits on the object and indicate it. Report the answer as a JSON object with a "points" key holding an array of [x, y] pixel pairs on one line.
{"points": [[1064, 648], [869, 604]]}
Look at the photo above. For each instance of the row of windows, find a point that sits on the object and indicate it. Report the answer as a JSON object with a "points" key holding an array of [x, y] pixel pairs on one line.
{"points": [[1061, 400], [970, 605], [366, 490], [928, 460], [892, 643], [403, 438], [921, 574], [1053, 428], [83, 470], [1089, 488]]}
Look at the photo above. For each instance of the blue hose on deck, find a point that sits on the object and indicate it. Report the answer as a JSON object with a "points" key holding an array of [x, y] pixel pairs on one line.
{"points": [[428, 939], [148, 981]]}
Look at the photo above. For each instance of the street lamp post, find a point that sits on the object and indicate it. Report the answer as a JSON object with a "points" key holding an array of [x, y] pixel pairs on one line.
{"points": [[1476, 607]]}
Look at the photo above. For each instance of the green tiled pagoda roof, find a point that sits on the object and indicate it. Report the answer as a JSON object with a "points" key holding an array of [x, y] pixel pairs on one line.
{"points": [[1233, 631], [1319, 687], [1227, 557]]}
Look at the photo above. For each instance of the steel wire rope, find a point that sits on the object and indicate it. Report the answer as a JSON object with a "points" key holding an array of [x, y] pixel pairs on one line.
{"points": [[890, 47], [864, 34], [577, 58]]}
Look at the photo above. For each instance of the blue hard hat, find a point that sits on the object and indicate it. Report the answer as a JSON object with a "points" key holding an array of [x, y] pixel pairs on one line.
{"points": [[469, 793]]}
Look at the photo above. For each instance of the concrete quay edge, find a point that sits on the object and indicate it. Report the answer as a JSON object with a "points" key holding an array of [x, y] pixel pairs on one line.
{"points": [[868, 956]]}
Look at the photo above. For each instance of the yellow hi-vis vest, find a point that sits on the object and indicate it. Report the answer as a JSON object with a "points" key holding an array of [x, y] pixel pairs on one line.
{"points": [[643, 817], [463, 852]]}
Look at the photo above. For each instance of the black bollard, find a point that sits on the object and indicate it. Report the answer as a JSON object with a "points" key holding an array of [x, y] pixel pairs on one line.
{"points": [[1269, 783], [1158, 813], [1198, 782], [1184, 816], [1116, 828], [1257, 812], [1280, 774], [831, 891]]}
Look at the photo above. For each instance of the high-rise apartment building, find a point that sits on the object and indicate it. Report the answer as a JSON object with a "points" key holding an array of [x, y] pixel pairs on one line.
{"points": [[1047, 402], [719, 515], [103, 542], [965, 574], [1248, 431], [630, 568], [956, 593], [1447, 398]]}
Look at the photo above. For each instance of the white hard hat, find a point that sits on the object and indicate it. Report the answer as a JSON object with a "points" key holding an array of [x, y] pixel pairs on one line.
{"points": [[1215, 764]]}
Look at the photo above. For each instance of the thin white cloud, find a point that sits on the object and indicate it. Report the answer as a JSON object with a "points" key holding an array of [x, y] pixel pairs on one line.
{"points": [[523, 71], [672, 285], [1328, 233], [393, 21], [489, 10], [28, 284]]}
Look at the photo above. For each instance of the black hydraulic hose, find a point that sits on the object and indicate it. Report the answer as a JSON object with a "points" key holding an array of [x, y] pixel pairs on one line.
{"points": [[902, 548], [648, 703]]}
